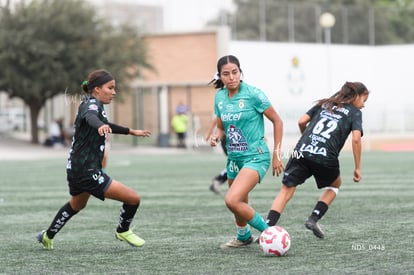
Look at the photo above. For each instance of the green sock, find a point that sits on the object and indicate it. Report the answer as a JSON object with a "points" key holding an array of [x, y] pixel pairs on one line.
{"points": [[258, 222], [243, 233]]}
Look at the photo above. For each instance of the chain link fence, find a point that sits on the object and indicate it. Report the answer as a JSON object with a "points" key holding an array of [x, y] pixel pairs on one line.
{"points": [[299, 22]]}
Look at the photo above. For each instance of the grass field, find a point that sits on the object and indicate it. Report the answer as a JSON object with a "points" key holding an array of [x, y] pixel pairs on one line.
{"points": [[369, 228]]}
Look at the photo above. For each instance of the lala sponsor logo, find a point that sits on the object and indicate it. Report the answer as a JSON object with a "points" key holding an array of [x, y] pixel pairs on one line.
{"points": [[313, 149]]}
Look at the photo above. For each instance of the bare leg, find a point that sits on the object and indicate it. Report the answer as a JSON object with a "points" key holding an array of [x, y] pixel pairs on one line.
{"points": [[282, 198]]}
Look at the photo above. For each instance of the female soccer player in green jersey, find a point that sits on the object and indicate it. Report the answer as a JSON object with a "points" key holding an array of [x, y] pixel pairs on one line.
{"points": [[325, 128], [240, 110], [84, 167]]}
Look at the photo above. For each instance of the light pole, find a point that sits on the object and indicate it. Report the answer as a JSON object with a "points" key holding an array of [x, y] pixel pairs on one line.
{"points": [[327, 21]]}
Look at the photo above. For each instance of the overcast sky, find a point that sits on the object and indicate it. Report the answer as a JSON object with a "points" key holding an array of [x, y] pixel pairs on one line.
{"points": [[181, 15]]}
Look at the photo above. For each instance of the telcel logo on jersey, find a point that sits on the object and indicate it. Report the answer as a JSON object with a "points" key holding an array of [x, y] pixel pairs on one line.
{"points": [[231, 117]]}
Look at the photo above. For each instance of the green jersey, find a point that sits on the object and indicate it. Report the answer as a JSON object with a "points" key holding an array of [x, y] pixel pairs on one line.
{"points": [[242, 117], [87, 145], [327, 131]]}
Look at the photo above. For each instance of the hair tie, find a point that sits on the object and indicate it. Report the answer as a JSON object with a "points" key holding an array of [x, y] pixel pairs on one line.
{"points": [[217, 76], [106, 77], [85, 82]]}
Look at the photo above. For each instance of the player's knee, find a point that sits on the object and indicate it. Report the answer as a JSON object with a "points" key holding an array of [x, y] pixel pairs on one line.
{"points": [[337, 183], [134, 198], [79, 202], [333, 189], [231, 203]]}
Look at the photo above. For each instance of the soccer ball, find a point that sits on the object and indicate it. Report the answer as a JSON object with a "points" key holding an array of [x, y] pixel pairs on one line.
{"points": [[275, 241]]}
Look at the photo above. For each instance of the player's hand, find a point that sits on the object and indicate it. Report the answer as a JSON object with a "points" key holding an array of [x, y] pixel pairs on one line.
{"points": [[214, 140], [140, 133], [357, 175], [278, 166], [104, 130], [145, 133]]}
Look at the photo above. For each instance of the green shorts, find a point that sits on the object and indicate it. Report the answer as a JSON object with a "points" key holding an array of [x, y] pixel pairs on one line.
{"points": [[259, 163]]}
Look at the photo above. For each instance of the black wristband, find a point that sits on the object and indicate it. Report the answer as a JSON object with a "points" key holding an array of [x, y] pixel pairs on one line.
{"points": [[117, 129]]}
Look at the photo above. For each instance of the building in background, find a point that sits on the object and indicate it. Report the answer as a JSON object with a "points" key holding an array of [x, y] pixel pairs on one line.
{"points": [[183, 65], [293, 75], [147, 19]]}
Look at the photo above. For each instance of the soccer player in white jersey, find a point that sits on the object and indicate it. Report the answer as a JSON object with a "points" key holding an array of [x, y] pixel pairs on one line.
{"points": [[240, 110]]}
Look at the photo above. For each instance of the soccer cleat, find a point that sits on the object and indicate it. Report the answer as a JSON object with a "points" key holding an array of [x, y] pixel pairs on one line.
{"points": [[311, 224], [235, 243], [215, 186], [130, 237], [44, 239]]}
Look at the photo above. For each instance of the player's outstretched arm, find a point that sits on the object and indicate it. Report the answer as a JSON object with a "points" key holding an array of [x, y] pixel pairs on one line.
{"points": [[140, 133], [117, 129]]}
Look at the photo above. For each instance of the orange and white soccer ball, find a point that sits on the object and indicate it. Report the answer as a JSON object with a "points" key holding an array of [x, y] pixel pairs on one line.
{"points": [[275, 241]]}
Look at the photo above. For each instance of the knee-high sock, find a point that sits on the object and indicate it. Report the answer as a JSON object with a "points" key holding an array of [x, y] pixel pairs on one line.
{"points": [[126, 216], [61, 218], [258, 222], [319, 210], [272, 217], [243, 232]]}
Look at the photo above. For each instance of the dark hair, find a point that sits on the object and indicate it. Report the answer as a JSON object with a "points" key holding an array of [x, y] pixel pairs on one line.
{"points": [[96, 79], [347, 94], [218, 84]]}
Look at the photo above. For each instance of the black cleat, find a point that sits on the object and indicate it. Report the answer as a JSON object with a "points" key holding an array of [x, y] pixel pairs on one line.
{"points": [[215, 186], [311, 224]]}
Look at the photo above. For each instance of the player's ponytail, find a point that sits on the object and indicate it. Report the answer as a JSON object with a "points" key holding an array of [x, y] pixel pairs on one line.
{"points": [[346, 95], [218, 84], [84, 86]]}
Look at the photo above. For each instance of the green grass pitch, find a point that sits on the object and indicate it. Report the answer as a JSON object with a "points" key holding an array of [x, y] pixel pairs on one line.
{"points": [[369, 227]]}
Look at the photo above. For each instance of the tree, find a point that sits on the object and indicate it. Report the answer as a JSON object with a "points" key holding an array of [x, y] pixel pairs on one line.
{"points": [[47, 47], [357, 21]]}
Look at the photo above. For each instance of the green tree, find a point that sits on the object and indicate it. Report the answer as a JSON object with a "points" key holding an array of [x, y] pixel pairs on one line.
{"points": [[357, 21], [47, 47]]}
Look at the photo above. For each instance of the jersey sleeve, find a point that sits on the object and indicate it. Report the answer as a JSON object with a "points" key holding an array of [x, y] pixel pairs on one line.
{"points": [[312, 111], [357, 121], [260, 100], [93, 120], [91, 113], [217, 104]]}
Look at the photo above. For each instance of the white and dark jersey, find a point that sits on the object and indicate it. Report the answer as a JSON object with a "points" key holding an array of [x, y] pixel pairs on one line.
{"points": [[327, 132], [242, 117], [87, 145]]}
